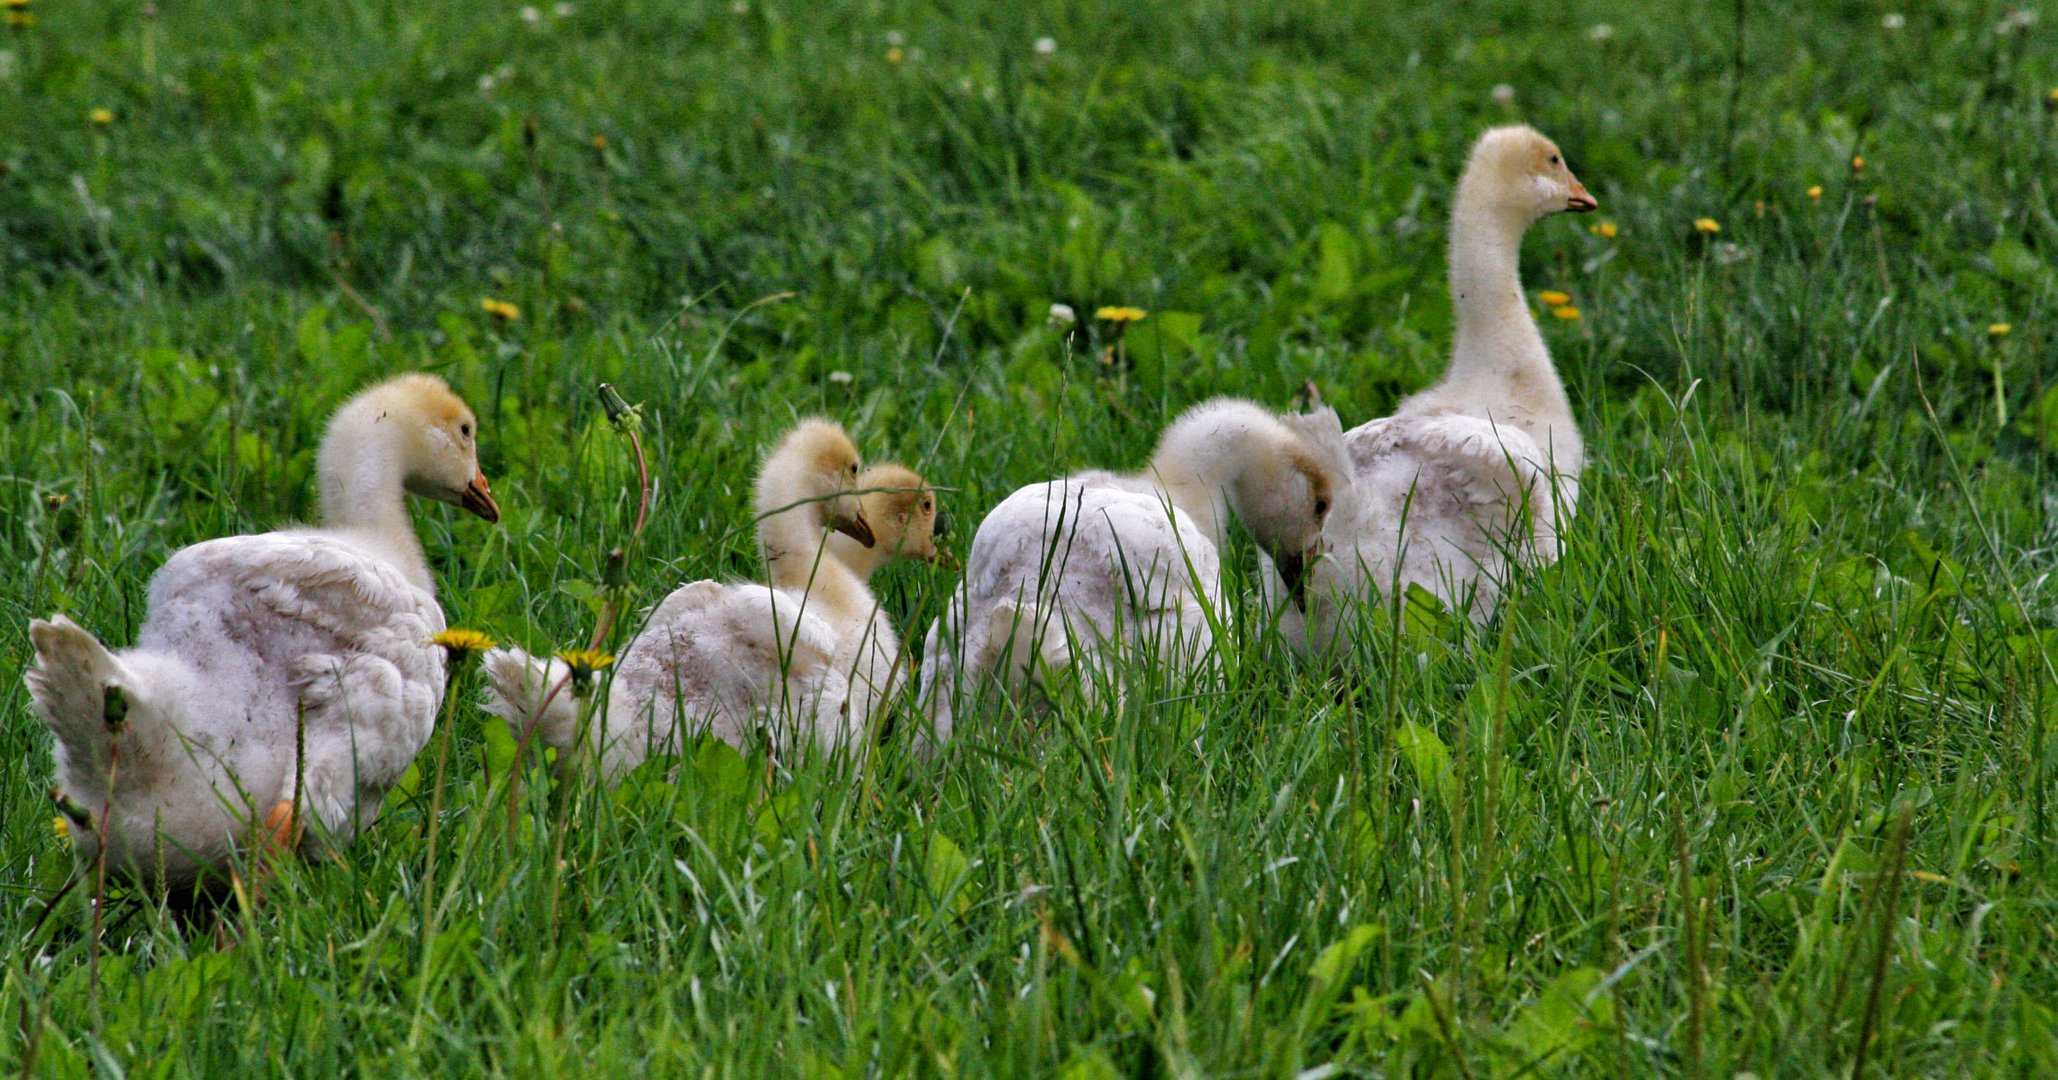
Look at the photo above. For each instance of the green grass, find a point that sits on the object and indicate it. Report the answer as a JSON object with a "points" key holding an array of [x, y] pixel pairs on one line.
{"points": [[1758, 778]]}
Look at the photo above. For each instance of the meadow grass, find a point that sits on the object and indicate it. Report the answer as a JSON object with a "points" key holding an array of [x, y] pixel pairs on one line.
{"points": [[1758, 778]]}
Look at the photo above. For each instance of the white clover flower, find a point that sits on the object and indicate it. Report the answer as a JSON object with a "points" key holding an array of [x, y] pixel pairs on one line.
{"points": [[531, 16], [841, 378], [1892, 21], [1046, 46], [1503, 94], [1062, 315], [1599, 32], [563, 11]]}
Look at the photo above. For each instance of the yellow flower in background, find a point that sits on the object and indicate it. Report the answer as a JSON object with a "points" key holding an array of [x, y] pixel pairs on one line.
{"points": [[1120, 314], [501, 309], [894, 55], [1554, 298], [61, 826], [584, 662], [1707, 225], [14, 5], [102, 117], [1566, 312], [1999, 329], [1604, 229], [460, 641], [1857, 164], [19, 15], [1815, 191]]}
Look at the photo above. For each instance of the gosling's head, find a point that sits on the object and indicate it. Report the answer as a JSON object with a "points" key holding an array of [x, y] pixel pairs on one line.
{"points": [[1517, 171], [415, 424], [905, 517], [1293, 491], [814, 469]]}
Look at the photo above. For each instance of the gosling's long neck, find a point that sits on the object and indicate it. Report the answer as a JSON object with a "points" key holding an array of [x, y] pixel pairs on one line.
{"points": [[794, 544], [1498, 359], [1200, 460], [364, 491]]}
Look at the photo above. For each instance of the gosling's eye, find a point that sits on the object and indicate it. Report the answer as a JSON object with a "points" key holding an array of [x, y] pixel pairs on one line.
{"points": [[926, 507], [465, 430], [853, 470], [1321, 507], [1554, 159]]}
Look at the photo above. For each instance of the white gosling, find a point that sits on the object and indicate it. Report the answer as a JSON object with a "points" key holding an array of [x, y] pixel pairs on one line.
{"points": [[1079, 573], [808, 659], [1481, 469], [254, 645]]}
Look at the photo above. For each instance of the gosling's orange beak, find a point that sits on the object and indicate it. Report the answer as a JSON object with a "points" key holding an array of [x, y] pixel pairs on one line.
{"points": [[1581, 200], [478, 498]]}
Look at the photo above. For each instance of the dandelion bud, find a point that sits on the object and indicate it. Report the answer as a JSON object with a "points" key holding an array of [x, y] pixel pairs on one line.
{"points": [[619, 411]]}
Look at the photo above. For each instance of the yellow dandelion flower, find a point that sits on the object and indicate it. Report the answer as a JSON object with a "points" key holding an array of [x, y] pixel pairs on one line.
{"points": [[894, 55], [2000, 329], [1566, 312], [20, 16], [461, 641], [1707, 225], [1120, 314], [1815, 191], [1857, 164], [600, 142], [500, 309], [1603, 229], [1554, 298], [584, 662], [61, 825], [103, 117]]}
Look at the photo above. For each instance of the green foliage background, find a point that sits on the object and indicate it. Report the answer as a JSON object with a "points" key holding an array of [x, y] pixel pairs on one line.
{"points": [[1650, 821]]}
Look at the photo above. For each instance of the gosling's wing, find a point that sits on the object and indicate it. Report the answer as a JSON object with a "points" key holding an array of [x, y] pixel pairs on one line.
{"points": [[1447, 498]]}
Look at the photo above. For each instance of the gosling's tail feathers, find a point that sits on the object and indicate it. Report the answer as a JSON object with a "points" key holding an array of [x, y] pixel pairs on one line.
{"points": [[81, 692], [516, 683]]}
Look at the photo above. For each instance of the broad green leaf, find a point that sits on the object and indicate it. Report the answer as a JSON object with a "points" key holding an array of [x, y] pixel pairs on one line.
{"points": [[1569, 1016], [1429, 759], [1336, 961]]}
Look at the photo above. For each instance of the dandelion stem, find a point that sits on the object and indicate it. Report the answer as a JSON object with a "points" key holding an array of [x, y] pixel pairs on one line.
{"points": [[436, 802], [100, 880]]}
